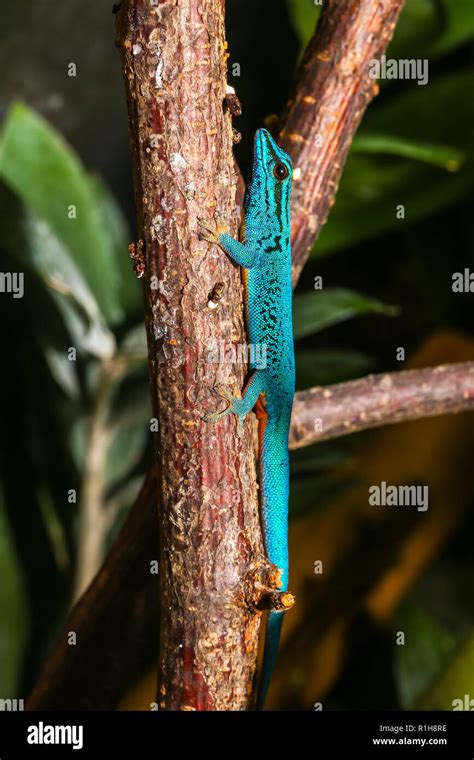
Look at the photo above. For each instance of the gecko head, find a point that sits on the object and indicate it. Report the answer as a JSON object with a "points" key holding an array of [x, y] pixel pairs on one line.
{"points": [[270, 187], [270, 160]]}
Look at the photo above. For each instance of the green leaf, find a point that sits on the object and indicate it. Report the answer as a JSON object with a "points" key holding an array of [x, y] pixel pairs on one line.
{"points": [[458, 27], [456, 680], [79, 441], [38, 165], [54, 530], [56, 288], [329, 366], [119, 505], [70, 291], [443, 156], [127, 439], [64, 371], [430, 114], [419, 25], [123, 497], [315, 310], [430, 28], [134, 346], [125, 435], [125, 450], [304, 14], [12, 613], [418, 661], [372, 188]]}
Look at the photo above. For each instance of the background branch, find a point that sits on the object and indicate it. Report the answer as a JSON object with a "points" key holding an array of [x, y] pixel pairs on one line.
{"points": [[94, 520], [332, 92], [376, 400]]}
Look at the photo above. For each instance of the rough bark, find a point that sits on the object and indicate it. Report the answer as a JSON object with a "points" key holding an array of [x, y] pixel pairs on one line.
{"points": [[333, 89], [212, 560]]}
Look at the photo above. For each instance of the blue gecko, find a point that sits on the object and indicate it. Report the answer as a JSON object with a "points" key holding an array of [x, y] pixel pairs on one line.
{"points": [[264, 254]]}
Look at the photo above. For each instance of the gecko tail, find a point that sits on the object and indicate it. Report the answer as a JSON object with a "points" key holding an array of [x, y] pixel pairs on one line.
{"points": [[272, 640]]}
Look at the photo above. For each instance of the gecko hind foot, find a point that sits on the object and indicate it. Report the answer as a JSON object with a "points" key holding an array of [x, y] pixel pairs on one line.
{"points": [[234, 406]]}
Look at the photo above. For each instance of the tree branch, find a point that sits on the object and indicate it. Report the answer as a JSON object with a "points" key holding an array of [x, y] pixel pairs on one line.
{"points": [[376, 400], [94, 521], [212, 565], [332, 92]]}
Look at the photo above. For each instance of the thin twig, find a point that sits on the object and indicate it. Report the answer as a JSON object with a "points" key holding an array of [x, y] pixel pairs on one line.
{"points": [[94, 521], [323, 413]]}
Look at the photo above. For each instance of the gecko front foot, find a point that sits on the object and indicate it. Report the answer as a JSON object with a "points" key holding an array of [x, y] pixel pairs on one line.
{"points": [[210, 230], [234, 406]]}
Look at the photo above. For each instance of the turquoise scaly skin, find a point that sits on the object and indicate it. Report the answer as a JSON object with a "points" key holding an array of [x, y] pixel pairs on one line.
{"points": [[264, 254]]}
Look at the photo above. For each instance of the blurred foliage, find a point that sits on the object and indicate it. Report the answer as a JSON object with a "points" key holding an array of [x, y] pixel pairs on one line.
{"points": [[63, 228], [323, 367], [13, 610], [426, 648], [79, 280], [332, 305], [407, 125], [408, 151], [453, 688], [35, 163], [374, 184], [425, 28]]}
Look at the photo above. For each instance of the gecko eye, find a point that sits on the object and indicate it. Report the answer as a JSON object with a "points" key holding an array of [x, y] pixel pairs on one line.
{"points": [[280, 171]]}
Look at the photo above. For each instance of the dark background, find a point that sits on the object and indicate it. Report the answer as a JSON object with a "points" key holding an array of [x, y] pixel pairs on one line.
{"points": [[353, 662]]}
